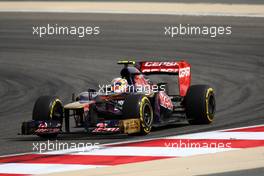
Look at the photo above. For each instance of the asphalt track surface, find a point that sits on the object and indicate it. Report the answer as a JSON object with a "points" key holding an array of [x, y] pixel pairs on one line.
{"points": [[59, 65]]}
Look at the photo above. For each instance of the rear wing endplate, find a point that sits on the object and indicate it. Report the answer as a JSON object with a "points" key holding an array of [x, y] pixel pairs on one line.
{"points": [[180, 68]]}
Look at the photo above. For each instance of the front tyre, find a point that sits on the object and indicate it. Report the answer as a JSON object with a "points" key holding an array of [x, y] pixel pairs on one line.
{"points": [[48, 108], [139, 106], [200, 104]]}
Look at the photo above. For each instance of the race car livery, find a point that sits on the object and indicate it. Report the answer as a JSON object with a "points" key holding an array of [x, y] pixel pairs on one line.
{"points": [[136, 109]]}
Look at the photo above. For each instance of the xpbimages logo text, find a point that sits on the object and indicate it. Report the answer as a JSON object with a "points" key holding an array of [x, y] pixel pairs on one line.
{"points": [[192, 30], [49, 146], [115, 88], [60, 30], [185, 143]]}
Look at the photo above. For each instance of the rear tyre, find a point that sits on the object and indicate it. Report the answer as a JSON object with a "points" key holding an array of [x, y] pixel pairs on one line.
{"points": [[200, 104], [139, 106], [48, 108]]}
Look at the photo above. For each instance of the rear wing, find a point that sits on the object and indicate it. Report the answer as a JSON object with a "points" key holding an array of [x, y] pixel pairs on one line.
{"points": [[180, 68]]}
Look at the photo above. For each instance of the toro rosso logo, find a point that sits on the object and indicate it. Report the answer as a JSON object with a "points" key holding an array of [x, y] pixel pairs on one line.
{"points": [[183, 72], [165, 100], [160, 64]]}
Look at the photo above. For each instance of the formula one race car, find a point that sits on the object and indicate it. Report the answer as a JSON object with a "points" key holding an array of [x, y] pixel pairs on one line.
{"points": [[132, 104]]}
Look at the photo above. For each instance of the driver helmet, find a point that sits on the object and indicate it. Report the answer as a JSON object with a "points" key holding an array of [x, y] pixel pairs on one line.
{"points": [[119, 85]]}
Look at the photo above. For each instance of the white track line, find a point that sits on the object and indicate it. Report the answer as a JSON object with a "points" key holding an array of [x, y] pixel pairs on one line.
{"points": [[241, 128], [138, 13], [24, 168], [222, 135], [148, 151]]}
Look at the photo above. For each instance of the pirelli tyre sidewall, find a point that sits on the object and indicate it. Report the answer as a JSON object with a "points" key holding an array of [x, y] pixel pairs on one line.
{"points": [[200, 104], [139, 106], [48, 108], [146, 115]]}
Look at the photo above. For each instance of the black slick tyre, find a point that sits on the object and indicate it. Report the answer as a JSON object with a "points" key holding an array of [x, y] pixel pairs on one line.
{"points": [[200, 104], [48, 108], [139, 106]]}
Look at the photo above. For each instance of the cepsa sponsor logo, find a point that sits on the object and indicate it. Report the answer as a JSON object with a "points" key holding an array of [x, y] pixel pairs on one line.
{"points": [[160, 64], [183, 72], [171, 67]]}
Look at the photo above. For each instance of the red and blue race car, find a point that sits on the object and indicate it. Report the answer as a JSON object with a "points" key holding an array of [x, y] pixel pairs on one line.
{"points": [[131, 104]]}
